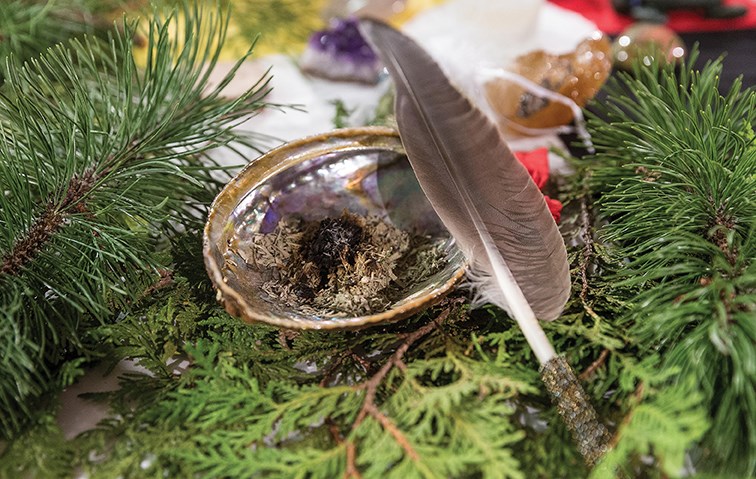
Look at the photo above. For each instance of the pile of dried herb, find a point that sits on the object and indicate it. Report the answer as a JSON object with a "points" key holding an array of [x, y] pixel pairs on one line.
{"points": [[350, 265]]}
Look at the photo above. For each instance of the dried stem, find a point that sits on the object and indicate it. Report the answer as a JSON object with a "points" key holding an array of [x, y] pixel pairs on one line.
{"points": [[351, 471], [165, 280], [351, 462], [389, 426], [588, 251], [591, 370], [285, 336], [369, 407], [371, 386]]}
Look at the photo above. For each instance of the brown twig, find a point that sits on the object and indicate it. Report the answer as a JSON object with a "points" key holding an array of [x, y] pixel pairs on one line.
{"points": [[360, 360], [587, 237], [166, 279], [369, 407], [285, 336], [391, 428], [591, 370], [371, 386], [588, 251], [351, 471], [49, 222]]}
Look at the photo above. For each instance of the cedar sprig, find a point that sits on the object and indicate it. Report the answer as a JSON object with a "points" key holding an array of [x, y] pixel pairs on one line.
{"points": [[399, 416], [451, 393]]}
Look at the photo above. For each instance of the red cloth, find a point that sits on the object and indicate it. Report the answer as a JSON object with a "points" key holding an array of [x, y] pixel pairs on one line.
{"points": [[608, 20], [537, 164], [555, 208]]}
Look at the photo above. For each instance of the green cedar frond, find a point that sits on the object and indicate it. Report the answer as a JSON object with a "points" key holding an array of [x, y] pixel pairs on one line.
{"points": [[42, 450], [245, 406], [98, 158], [663, 425], [676, 165]]}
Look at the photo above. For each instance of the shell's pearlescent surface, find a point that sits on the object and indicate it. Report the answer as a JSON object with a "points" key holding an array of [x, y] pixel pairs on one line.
{"points": [[644, 41], [360, 170], [577, 75]]}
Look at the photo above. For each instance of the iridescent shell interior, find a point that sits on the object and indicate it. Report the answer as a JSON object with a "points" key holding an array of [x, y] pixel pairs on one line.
{"points": [[362, 170]]}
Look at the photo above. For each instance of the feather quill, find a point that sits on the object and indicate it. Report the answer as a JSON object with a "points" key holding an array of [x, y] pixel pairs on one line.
{"points": [[497, 215], [483, 195]]}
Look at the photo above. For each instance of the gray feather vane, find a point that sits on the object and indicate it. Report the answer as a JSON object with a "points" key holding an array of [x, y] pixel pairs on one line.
{"points": [[481, 192]]}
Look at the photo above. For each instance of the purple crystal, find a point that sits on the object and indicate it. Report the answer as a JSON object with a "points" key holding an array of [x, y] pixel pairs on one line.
{"points": [[344, 39]]}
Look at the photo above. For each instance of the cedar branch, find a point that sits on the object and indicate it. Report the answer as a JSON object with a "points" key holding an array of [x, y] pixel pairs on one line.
{"points": [[351, 460], [351, 471], [637, 395], [389, 426]]}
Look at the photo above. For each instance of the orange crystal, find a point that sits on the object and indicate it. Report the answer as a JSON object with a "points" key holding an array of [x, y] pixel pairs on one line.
{"points": [[577, 75]]}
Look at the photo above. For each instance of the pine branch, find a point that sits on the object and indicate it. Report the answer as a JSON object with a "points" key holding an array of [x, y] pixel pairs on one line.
{"points": [[48, 223], [676, 163], [30, 26], [100, 158]]}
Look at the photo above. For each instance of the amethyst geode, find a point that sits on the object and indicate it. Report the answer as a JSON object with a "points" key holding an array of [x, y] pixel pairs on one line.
{"points": [[341, 53]]}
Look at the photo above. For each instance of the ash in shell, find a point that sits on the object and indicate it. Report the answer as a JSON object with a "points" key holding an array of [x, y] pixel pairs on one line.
{"points": [[344, 266]]}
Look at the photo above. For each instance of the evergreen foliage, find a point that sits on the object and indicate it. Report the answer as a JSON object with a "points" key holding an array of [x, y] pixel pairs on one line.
{"points": [[677, 166], [660, 326], [98, 159], [30, 26]]}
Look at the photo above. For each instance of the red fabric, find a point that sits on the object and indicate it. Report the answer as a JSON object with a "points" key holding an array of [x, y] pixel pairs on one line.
{"points": [[555, 208], [537, 164], [608, 20]]}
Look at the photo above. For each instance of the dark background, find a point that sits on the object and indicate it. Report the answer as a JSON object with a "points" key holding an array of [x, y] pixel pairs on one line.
{"points": [[739, 48]]}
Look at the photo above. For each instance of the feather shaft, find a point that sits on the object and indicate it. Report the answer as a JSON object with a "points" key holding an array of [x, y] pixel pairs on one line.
{"points": [[521, 310]]}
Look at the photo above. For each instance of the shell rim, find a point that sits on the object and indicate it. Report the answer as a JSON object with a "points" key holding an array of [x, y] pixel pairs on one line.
{"points": [[233, 301]]}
